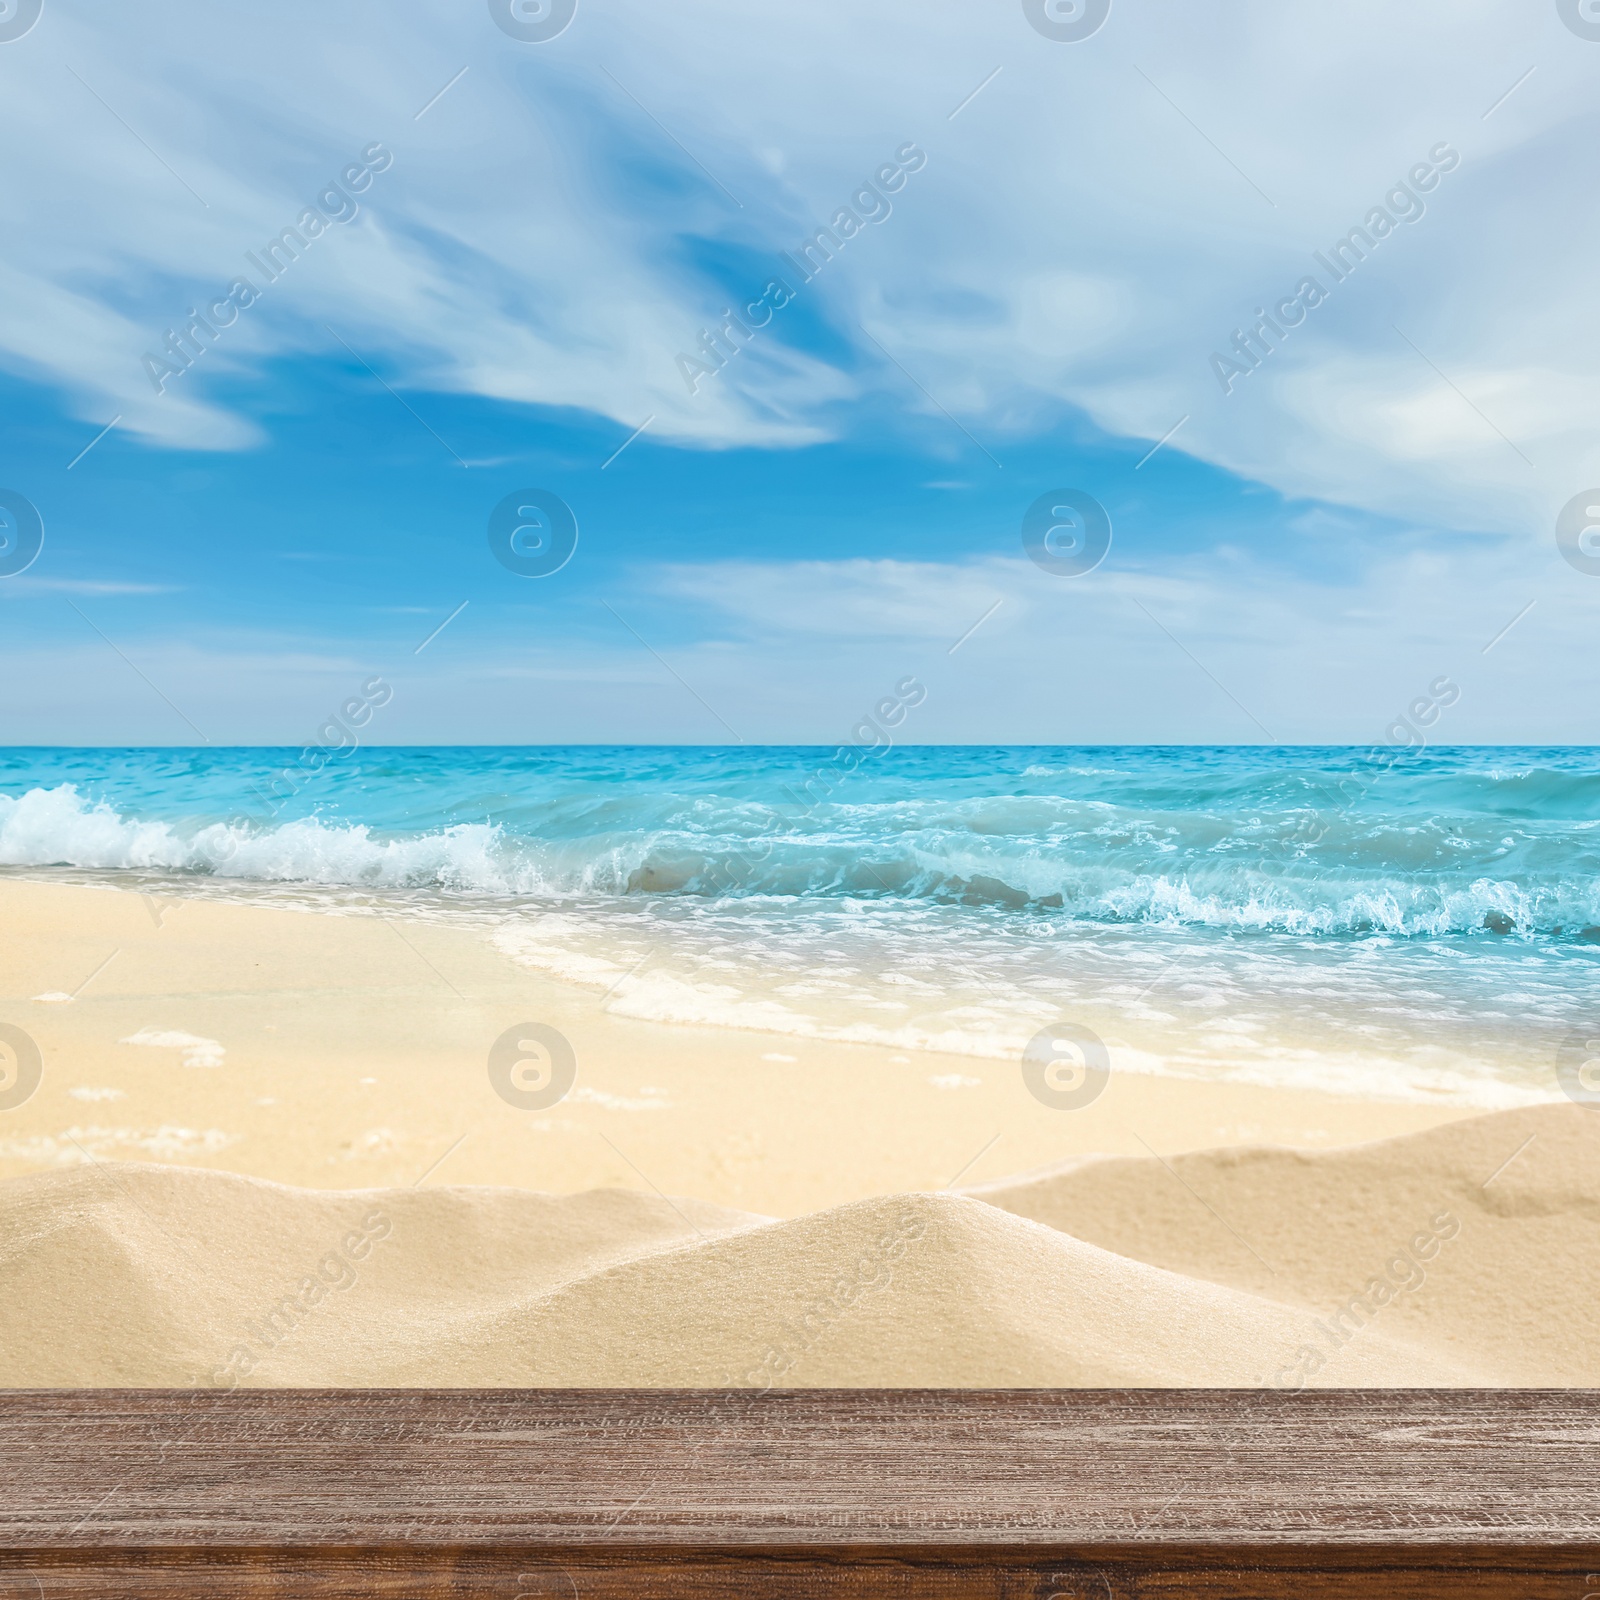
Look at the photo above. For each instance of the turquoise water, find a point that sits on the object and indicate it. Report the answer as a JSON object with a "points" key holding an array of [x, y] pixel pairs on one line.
{"points": [[1417, 923]]}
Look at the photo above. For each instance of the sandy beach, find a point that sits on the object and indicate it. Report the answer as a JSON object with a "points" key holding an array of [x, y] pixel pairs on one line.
{"points": [[660, 739], [266, 1149], [345, 1052]]}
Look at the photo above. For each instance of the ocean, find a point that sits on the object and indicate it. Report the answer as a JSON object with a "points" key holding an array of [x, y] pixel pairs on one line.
{"points": [[1416, 925]]}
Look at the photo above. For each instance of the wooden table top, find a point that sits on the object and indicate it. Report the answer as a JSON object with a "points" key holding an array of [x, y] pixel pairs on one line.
{"points": [[827, 1467], [1000, 1493]]}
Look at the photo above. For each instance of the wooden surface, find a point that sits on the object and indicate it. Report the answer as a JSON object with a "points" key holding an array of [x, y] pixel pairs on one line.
{"points": [[580, 1496]]}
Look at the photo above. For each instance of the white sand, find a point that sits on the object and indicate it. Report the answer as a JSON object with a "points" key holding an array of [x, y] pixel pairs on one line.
{"points": [[243, 1050], [1510, 1293], [1232, 1268], [158, 1276]]}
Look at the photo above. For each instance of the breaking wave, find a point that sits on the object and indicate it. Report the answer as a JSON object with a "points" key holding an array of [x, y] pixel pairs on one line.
{"points": [[1289, 869]]}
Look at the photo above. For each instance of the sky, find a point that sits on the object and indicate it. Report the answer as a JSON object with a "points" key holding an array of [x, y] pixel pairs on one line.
{"points": [[526, 231]]}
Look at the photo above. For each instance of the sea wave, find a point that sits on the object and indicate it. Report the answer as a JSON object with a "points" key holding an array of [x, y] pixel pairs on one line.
{"points": [[1291, 871]]}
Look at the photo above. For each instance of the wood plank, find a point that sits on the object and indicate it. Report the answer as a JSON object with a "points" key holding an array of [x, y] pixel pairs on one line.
{"points": [[557, 1495]]}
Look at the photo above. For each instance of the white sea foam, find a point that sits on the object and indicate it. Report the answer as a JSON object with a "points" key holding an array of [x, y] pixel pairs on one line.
{"points": [[197, 1051], [645, 1100], [1376, 1019], [77, 1146], [1007, 852], [968, 860], [57, 827]]}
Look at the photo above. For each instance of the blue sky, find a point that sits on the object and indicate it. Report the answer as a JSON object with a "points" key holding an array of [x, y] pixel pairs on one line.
{"points": [[530, 260]]}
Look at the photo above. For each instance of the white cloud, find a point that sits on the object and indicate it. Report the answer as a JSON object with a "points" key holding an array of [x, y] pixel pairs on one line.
{"points": [[1087, 230], [852, 598], [26, 585], [1200, 649]]}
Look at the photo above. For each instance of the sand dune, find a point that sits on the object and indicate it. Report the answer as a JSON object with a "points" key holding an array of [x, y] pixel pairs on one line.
{"points": [[150, 1275], [1509, 1292], [912, 1290], [125, 1273]]}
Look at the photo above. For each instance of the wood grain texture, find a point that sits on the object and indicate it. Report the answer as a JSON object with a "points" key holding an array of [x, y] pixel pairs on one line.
{"points": [[566, 1495]]}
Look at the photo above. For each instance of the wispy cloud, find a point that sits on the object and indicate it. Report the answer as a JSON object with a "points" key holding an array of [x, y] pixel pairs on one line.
{"points": [[1008, 285], [27, 584]]}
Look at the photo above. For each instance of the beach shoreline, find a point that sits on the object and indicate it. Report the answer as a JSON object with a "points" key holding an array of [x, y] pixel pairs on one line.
{"points": [[351, 1051], [292, 1166]]}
